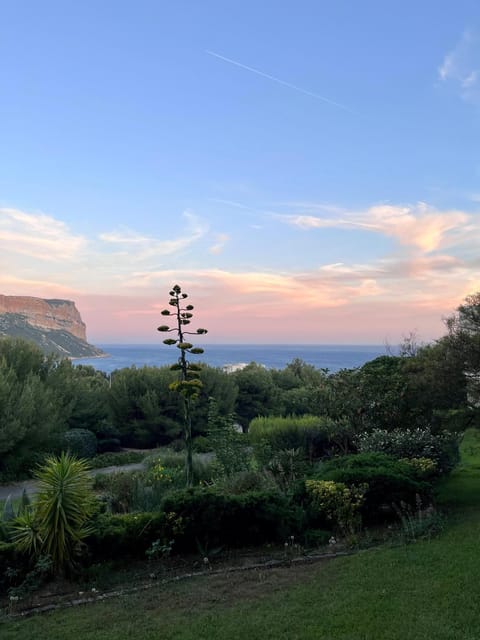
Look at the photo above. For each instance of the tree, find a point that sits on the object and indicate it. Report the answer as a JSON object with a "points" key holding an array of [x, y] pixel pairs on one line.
{"points": [[464, 337], [189, 383]]}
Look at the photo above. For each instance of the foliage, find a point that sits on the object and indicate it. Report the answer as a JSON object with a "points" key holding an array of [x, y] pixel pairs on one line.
{"points": [[246, 481], [111, 459], [338, 503], [287, 468], [425, 468], [58, 520], [81, 443], [389, 481], [418, 522], [30, 419], [214, 518], [310, 434], [33, 580], [10, 512], [365, 595], [175, 460], [256, 393], [229, 446], [127, 535], [442, 448], [144, 410], [123, 491]]}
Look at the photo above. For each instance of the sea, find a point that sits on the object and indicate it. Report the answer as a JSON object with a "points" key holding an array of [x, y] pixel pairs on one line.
{"points": [[234, 356]]}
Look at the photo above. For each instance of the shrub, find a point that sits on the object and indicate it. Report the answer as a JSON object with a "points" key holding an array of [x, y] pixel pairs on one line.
{"points": [[81, 443], [287, 467], [126, 535], [338, 503], [122, 490], [201, 444], [14, 567], [424, 468], [212, 519], [202, 469], [310, 434], [111, 459], [245, 481], [442, 448], [192, 519], [58, 520], [389, 481]]}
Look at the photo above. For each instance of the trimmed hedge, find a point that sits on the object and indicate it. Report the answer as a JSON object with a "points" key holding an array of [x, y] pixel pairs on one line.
{"points": [[310, 434], [212, 518], [198, 518]]}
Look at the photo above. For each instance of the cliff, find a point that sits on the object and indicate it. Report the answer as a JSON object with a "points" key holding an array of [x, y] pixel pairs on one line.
{"points": [[54, 325]]}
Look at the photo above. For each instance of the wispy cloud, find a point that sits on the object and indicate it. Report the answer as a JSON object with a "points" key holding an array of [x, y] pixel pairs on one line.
{"points": [[38, 236], [279, 81], [141, 246], [461, 66], [418, 225]]}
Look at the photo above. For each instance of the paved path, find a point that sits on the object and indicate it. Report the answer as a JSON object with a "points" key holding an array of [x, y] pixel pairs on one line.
{"points": [[15, 489]]}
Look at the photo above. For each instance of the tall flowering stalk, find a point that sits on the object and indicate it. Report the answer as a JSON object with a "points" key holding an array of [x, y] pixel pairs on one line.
{"points": [[189, 383]]}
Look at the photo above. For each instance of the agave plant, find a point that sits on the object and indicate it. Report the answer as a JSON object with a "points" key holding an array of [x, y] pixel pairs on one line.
{"points": [[58, 520], [9, 513]]}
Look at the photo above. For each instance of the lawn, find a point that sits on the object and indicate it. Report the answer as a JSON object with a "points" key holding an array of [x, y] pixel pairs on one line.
{"points": [[424, 590]]}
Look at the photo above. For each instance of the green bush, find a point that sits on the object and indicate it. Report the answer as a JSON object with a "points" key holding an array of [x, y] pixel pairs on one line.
{"points": [[81, 443], [125, 535], [192, 519], [213, 519], [338, 503], [442, 448], [245, 481], [111, 459], [389, 481], [122, 490], [202, 444], [310, 434]]}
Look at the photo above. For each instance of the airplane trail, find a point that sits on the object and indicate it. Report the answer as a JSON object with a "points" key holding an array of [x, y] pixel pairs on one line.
{"points": [[279, 81]]}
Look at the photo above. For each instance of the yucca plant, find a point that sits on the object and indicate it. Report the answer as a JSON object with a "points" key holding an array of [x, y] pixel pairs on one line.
{"points": [[58, 520]]}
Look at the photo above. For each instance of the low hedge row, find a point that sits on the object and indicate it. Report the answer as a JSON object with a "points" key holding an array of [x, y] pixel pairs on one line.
{"points": [[195, 519]]}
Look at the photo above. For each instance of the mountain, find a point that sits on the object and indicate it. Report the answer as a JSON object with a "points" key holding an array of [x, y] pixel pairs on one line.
{"points": [[53, 325]]}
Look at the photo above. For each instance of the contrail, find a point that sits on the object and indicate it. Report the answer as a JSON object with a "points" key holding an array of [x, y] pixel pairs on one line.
{"points": [[285, 84]]}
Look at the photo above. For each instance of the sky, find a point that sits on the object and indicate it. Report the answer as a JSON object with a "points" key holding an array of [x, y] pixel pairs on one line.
{"points": [[308, 171]]}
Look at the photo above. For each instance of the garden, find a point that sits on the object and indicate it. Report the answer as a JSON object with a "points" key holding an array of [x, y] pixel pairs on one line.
{"points": [[275, 470]]}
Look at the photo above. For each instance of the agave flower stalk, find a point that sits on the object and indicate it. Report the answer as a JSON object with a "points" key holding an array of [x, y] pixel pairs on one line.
{"points": [[189, 383]]}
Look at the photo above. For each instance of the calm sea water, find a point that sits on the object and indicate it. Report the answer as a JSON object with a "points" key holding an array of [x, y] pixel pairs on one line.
{"points": [[331, 357]]}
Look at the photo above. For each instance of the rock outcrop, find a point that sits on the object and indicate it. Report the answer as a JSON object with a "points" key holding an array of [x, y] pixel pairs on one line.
{"points": [[54, 325]]}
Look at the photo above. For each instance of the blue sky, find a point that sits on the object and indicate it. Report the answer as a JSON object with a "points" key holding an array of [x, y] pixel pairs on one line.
{"points": [[309, 171]]}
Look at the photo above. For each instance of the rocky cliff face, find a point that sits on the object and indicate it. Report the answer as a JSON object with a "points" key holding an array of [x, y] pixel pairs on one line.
{"points": [[54, 325]]}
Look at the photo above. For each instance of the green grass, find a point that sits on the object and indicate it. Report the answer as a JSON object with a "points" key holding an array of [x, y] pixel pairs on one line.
{"points": [[417, 592]]}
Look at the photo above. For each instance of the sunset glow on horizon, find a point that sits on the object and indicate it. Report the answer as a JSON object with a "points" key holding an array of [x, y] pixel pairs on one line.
{"points": [[327, 192]]}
